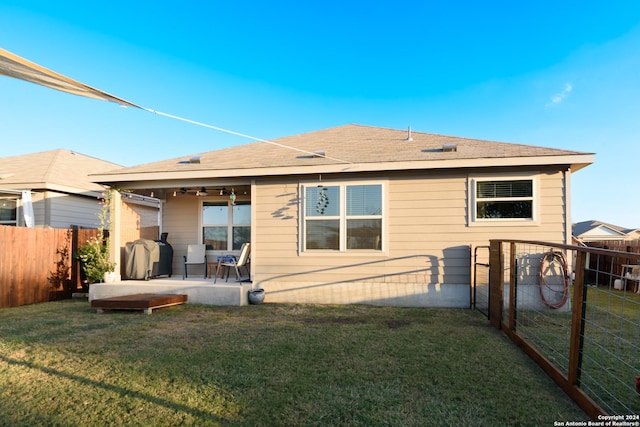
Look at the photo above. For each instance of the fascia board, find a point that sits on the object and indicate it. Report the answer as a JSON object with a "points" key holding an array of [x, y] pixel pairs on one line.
{"points": [[39, 186], [576, 161], [75, 191], [177, 183]]}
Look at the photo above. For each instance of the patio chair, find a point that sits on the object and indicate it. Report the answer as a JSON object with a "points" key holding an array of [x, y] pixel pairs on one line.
{"points": [[242, 261], [196, 255]]}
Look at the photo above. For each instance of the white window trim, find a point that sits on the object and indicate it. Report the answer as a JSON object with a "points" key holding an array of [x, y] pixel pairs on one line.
{"points": [[229, 225], [492, 222], [18, 208], [342, 218]]}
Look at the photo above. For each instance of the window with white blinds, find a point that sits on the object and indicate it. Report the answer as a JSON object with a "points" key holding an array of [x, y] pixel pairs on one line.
{"points": [[504, 199]]}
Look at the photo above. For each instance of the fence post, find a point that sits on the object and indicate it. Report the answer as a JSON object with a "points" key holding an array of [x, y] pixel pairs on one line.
{"points": [[578, 308], [75, 265], [513, 287], [496, 280], [472, 287], [576, 342]]}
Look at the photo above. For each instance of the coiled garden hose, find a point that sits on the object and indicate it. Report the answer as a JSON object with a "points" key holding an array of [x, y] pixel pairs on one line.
{"points": [[547, 260]]}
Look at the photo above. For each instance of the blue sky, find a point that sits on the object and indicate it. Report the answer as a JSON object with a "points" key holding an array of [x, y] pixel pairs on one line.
{"points": [[563, 74]]}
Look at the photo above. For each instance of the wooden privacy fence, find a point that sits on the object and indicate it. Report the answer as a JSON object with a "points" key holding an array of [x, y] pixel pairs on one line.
{"points": [[37, 265], [613, 265], [616, 245]]}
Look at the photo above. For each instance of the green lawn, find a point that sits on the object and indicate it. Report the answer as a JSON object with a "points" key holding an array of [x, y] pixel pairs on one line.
{"points": [[611, 352], [267, 365]]}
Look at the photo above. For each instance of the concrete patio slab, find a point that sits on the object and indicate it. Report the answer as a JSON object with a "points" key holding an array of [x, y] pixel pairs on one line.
{"points": [[199, 291]]}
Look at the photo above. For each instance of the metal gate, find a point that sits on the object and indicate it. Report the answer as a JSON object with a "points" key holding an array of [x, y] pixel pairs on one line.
{"points": [[480, 285]]}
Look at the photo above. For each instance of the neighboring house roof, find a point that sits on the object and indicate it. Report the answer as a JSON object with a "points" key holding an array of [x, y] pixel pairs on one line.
{"points": [[596, 230], [60, 170], [349, 148]]}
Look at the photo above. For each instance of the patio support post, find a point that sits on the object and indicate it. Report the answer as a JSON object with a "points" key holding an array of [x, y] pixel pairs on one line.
{"points": [[114, 230]]}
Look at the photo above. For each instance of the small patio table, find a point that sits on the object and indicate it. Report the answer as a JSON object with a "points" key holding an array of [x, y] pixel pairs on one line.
{"points": [[220, 259]]}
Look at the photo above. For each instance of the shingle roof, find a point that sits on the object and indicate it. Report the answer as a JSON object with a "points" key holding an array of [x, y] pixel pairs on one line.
{"points": [[52, 169], [356, 144], [583, 227]]}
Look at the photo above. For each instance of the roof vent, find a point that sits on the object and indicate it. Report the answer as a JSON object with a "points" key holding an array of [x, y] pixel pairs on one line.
{"points": [[409, 137], [319, 153], [194, 159], [449, 147]]}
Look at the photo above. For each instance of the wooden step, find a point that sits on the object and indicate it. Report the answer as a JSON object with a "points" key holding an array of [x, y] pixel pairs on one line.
{"points": [[145, 302]]}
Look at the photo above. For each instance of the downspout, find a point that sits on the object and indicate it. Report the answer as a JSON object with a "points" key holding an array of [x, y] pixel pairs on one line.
{"points": [[254, 231], [47, 200], [160, 215]]}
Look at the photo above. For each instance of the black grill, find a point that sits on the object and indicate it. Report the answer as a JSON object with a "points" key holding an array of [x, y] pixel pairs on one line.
{"points": [[146, 259], [164, 267]]}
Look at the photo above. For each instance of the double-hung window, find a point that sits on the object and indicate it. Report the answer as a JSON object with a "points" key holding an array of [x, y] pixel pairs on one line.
{"points": [[343, 217], [503, 200], [8, 211], [226, 226]]}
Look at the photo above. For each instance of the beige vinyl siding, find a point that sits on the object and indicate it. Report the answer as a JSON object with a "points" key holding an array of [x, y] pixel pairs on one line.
{"points": [[427, 228], [138, 221], [141, 216], [181, 219], [276, 225], [427, 242], [553, 201]]}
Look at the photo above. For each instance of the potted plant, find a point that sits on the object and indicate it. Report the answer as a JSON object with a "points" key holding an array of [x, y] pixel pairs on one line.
{"points": [[94, 259], [94, 256]]}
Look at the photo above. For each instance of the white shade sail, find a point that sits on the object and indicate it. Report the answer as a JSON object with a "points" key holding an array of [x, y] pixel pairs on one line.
{"points": [[12, 65]]}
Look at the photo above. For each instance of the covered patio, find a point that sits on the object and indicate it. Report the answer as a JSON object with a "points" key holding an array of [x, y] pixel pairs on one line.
{"points": [[212, 213]]}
